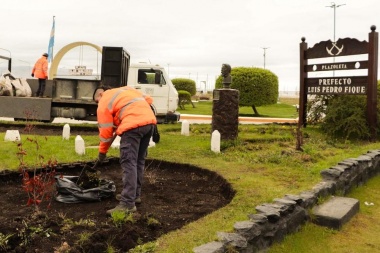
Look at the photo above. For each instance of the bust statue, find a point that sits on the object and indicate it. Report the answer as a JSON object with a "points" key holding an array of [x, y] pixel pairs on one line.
{"points": [[226, 73]]}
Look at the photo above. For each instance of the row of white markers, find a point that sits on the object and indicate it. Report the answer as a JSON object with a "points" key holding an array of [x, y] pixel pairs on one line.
{"points": [[80, 148]]}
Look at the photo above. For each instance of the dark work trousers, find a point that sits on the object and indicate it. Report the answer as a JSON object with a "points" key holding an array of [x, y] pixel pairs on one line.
{"points": [[133, 148], [41, 87]]}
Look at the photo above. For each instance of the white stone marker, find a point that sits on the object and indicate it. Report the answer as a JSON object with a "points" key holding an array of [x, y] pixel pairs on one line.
{"points": [[215, 141], [185, 128], [79, 145], [66, 132], [12, 135]]}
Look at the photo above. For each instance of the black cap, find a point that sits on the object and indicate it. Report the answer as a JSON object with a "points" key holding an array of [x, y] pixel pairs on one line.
{"points": [[45, 54]]}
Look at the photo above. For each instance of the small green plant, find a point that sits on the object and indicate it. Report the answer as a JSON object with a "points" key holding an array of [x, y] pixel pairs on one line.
{"points": [[4, 241], [145, 248], [120, 217], [152, 221], [85, 223], [27, 232], [83, 238], [110, 248]]}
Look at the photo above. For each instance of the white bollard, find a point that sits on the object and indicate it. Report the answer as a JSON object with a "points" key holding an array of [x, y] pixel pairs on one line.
{"points": [[185, 128], [66, 132], [12, 135], [215, 141], [116, 142], [79, 145]]}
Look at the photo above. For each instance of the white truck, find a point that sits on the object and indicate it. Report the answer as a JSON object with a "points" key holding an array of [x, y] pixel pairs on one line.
{"points": [[73, 98]]}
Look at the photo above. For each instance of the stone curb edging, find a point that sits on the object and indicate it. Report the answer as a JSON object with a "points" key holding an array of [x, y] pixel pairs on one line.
{"points": [[273, 221]]}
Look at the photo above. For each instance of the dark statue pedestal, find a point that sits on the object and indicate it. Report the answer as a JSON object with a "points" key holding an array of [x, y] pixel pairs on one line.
{"points": [[225, 113]]}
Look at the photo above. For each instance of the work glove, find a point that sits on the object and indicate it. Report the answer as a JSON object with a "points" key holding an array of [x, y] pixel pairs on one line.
{"points": [[32, 75], [101, 157]]}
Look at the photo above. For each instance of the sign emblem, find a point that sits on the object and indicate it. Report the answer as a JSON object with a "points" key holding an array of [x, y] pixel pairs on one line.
{"points": [[334, 45]]}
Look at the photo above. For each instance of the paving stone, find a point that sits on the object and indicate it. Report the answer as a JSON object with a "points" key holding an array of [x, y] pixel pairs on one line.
{"points": [[335, 212]]}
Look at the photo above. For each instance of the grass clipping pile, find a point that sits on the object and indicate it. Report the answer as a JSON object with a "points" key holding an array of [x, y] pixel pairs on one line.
{"points": [[172, 196]]}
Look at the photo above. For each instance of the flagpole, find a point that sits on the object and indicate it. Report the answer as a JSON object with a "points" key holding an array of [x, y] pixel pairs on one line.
{"points": [[52, 48], [51, 42]]}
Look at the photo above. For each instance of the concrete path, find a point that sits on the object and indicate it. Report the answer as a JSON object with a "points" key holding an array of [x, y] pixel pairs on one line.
{"points": [[206, 119], [192, 119]]}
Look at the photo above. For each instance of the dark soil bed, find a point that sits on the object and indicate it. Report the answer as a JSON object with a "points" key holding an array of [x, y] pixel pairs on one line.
{"points": [[172, 196]]}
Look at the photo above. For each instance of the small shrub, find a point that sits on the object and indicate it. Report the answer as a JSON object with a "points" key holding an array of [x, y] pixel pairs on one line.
{"points": [[184, 97], [346, 117]]}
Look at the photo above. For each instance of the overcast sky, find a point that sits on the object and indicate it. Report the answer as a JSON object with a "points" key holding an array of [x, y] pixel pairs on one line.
{"points": [[191, 39]]}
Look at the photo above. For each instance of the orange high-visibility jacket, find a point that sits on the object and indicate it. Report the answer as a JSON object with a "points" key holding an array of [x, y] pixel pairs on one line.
{"points": [[120, 110], [40, 69]]}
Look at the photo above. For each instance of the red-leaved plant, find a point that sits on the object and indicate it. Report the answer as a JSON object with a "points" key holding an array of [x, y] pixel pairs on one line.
{"points": [[39, 184], [39, 181]]}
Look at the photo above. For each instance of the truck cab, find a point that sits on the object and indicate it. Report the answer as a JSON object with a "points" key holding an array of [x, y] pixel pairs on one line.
{"points": [[154, 81]]}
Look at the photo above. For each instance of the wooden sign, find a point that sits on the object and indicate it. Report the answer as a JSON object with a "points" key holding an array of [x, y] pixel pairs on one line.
{"points": [[339, 85]]}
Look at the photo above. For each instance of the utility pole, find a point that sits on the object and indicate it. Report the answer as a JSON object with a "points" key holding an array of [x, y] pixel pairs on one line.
{"points": [[333, 5], [265, 48]]}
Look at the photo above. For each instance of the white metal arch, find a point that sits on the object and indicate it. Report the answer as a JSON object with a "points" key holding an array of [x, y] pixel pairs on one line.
{"points": [[58, 57]]}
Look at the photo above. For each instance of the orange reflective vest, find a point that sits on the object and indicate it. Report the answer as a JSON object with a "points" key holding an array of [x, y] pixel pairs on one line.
{"points": [[120, 110], [40, 69]]}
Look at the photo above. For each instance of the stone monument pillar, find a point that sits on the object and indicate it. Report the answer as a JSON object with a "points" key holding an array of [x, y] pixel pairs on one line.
{"points": [[225, 109]]}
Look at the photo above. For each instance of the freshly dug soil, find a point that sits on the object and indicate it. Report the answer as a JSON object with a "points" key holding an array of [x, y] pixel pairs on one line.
{"points": [[172, 196]]}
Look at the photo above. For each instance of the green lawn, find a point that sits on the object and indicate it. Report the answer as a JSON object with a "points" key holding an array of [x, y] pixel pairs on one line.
{"points": [[262, 164]]}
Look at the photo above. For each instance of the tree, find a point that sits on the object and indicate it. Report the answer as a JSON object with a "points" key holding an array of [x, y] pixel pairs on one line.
{"points": [[185, 84], [257, 86]]}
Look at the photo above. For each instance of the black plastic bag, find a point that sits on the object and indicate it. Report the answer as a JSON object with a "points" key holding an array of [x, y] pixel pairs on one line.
{"points": [[156, 134], [69, 192]]}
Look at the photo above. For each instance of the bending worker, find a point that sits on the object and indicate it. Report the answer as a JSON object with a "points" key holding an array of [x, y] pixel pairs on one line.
{"points": [[126, 112]]}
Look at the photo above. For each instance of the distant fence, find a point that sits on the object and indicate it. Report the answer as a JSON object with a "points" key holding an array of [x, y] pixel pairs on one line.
{"points": [[295, 94]]}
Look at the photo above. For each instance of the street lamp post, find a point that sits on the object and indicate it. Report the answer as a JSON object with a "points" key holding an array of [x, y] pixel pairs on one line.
{"points": [[333, 5], [265, 48], [9, 59]]}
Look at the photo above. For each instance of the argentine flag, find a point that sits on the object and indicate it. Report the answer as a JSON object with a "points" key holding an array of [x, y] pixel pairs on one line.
{"points": [[51, 42]]}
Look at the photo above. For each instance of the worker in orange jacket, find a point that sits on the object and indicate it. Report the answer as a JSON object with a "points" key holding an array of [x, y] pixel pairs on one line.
{"points": [[40, 71], [126, 112]]}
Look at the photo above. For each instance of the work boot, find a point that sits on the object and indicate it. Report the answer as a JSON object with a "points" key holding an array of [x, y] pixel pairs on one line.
{"points": [[122, 208], [137, 201]]}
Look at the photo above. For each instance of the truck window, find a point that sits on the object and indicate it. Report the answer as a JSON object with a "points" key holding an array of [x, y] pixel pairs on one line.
{"points": [[150, 76]]}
